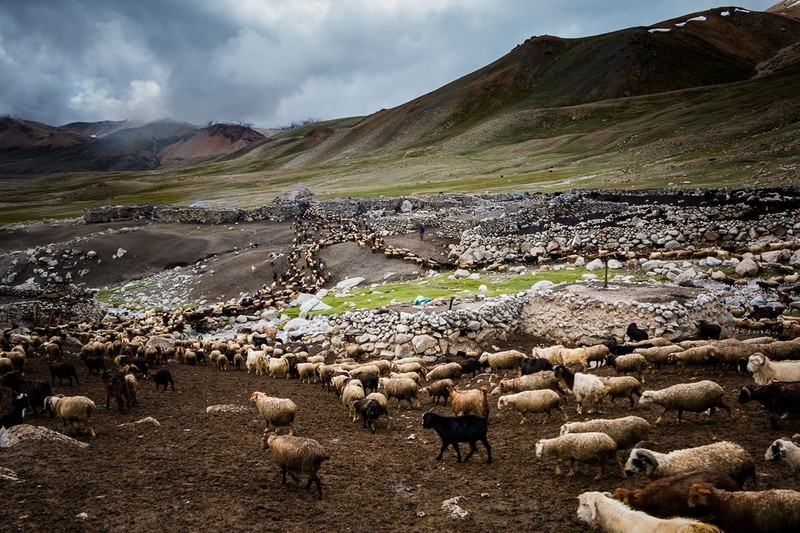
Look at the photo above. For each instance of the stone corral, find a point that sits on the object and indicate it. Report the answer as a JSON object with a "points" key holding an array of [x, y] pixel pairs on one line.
{"points": [[52, 304], [576, 314]]}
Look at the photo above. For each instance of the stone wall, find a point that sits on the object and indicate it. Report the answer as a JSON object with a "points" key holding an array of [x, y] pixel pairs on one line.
{"points": [[575, 314], [49, 306]]}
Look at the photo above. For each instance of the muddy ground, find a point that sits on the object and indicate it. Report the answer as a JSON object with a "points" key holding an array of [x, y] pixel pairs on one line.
{"points": [[203, 472]]}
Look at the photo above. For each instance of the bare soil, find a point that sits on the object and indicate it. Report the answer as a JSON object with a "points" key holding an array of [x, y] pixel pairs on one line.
{"points": [[204, 472], [199, 471]]}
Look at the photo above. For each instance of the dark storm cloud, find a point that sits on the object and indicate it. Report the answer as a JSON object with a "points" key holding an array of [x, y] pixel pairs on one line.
{"points": [[269, 62]]}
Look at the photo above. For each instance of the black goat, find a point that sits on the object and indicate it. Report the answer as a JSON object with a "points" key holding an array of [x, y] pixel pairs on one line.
{"points": [[455, 429], [779, 398], [370, 411], [17, 415], [532, 366], [63, 370], [707, 330], [95, 363], [636, 334], [163, 376], [36, 391]]}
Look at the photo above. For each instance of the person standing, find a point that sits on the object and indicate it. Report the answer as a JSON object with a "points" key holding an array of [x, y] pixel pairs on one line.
{"points": [[421, 232]]}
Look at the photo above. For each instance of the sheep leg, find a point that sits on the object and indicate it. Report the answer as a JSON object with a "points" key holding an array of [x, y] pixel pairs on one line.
{"points": [[315, 478], [658, 420], [458, 452], [283, 476], [472, 449], [680, 414], [441, 452], [485, 442], [571, 467], [558, 467]]}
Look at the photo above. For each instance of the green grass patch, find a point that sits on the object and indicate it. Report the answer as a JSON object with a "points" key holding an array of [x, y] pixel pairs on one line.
{"points": [[442, 285]]}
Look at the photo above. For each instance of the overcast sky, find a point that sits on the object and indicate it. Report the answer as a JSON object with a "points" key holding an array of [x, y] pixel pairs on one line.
{"points": [[272, 62]]}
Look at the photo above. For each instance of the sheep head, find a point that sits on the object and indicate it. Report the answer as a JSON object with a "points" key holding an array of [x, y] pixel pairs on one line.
{"points": [[755, 362], [699, 494], [776, 452]]}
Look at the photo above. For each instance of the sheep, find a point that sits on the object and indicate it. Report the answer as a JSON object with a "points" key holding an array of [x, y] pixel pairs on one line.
{"points": [[308, 372], [71, 409], [368, 376], [635, 334], [455, 429], [666, 497], [544, 379], [780, 399], [707, 330], [278, 367], [256, 360], [413, 366], [575, 356], [538, 401], [784, 450], [19, 403], [162, 376], [94, 363], [353, 391], [36, 391], [384, 366], [628, 363], [534, 365], [584, 447], [444, 371], [551, 353], [63, 370], [765, 371], [598, 509], [440, 389], [507, 360], [658, 355], [767, 511], [296, 455], [222, 362], [694, 397], [470, 402], [116, 387], [402, 389], [339, 381], [238, 360], [622, 387], [278, 412], [626, 431], [133, 387], [588, 389], [698, 355], [408, 375], [724, 456], [370, 411], [6, 365]]}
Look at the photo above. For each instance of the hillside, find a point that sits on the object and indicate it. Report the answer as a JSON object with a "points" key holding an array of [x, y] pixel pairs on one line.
{"points": [[704, 100]]}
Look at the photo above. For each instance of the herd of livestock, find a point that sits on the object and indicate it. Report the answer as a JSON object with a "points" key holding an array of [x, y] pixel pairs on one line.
{"points": [[686, 485]]}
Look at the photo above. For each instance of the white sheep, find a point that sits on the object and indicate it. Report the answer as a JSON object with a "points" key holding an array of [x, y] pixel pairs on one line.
{"points": [[256, 360], [353, 391], [532, 401], [296, 455], [724, 456], [402, 389], [622, 387], [658, 355], [506, 360], [587, 388], [551, 353], [407, 375], [574, 356], [72, 409], [626, 431], [308, 372], [601, 510], [584, 447], [278, 367], [693, 397], [765, 371], [541, 380], [444, 371], [412, 366], [634, 362], [784, 450], [278, 412]]}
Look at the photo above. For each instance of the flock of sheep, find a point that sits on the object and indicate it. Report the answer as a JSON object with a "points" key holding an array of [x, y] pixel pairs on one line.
{"points": [[703, 481]]}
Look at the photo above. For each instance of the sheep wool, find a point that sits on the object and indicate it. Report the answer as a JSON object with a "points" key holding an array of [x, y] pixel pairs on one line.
{"points": [[725, 456], [625, 431], [597, 509], [296, 455], [694, 397], [583, 447], [72, 409], [278, 412], [538, 401], [766, 511]]}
